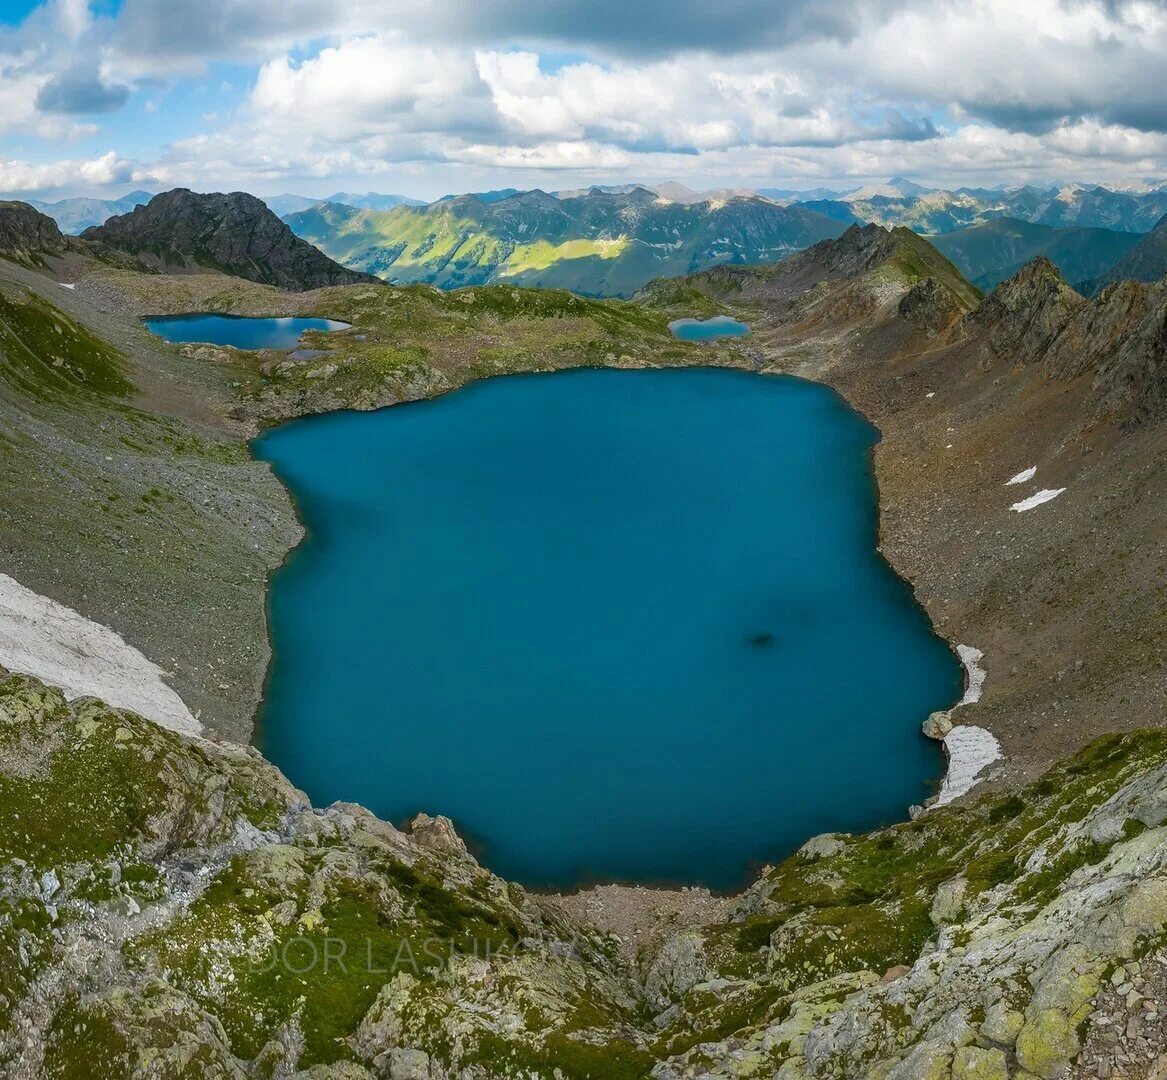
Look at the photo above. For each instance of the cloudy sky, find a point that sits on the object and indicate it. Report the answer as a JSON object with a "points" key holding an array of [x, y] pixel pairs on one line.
{"points": [[424, 97]]}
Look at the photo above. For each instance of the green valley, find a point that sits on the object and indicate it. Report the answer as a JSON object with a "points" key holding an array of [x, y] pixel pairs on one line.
{"points": [[598, 243]]}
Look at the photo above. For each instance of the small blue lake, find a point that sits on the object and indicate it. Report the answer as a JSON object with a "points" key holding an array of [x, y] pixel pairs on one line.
{"points": [[242, 333], [719, 326], [616, 624]]}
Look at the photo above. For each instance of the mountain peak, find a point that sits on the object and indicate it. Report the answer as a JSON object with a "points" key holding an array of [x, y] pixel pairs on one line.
{"points": [[1024, 314], [233, 233], [26, 234]]}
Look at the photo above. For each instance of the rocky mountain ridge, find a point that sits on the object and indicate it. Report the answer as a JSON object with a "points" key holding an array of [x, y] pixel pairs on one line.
{"points": [[1116, 339], [27, 235], [180, 231]]}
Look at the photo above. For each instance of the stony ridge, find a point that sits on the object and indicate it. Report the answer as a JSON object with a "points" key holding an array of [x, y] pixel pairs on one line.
{"points": [[236, 234], [836, 282], [1116, 339], [1027, 312]]}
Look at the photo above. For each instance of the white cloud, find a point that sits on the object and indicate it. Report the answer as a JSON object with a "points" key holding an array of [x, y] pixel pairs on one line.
{"points": [[101, 171], [975, 91]]}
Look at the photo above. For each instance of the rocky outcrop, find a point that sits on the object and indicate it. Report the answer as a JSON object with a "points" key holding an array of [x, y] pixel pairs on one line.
{"points": [[173, 907], [26, 235], [236, 234], [929, 306], [1118, 340], [970, 940], [1019, 320], [1121, 339]]}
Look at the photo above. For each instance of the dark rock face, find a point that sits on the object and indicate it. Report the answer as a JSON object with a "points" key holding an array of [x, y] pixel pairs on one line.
{"points": [[1119, 339], [929, 305], [1021, 317], [26, 234], [1124, 336], [236, 234]]}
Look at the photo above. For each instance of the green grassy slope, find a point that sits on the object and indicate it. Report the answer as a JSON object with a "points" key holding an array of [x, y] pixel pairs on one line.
{"points": [[989, 253], [596, 244]]}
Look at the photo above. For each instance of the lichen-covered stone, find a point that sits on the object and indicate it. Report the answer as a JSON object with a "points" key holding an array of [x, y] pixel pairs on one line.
{"points": [[1002, 1024], [1046, 1044], [173, 907], [974, 1063]]}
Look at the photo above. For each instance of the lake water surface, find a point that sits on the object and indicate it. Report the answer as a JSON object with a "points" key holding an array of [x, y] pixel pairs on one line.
{"points": [[616, 624], [719, 326], [242, 333]]}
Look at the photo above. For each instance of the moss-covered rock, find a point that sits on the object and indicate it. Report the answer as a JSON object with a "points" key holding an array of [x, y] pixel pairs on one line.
{"points": [[1046, 1043], [974, 1063], [172, 907]]}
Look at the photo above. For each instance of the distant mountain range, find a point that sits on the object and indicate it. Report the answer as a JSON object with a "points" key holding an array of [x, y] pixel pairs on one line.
{"points": [[607, 243], [612, 239], [934, 213], [283, 205], [74, 216]]}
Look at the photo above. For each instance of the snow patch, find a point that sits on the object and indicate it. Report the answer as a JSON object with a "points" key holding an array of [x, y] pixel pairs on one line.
{"points": [[40, 637], [971, 659], [1043, 496], [1022, 477], [66, 285], [970, 750]]}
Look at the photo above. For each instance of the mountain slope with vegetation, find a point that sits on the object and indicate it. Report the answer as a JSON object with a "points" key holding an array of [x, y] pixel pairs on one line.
{"points": [[989, 253], [848, 278], [1145, 261], [599, 243], [179, 231]]}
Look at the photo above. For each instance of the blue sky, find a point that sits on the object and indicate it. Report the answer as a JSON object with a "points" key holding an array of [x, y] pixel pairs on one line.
{"points": [[424, 97]]}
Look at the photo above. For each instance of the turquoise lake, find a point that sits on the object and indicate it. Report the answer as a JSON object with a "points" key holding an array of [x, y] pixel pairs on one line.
{"points": [[242, 333], [719, 326], [619, 625]]}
